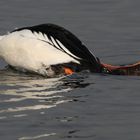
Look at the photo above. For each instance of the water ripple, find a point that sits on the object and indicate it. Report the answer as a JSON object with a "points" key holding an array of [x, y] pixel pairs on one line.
{"points": [[21, 92], [37, 137]]}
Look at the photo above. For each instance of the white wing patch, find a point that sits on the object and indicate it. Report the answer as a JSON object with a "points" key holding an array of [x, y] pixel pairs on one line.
{"points": [[34, 35], [43, 37], [46, 38], [66, 50], [55, 44]]}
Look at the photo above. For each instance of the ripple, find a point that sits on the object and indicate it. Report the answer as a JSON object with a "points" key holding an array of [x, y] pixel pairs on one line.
{"points": [[20, 92], [37, 137]]}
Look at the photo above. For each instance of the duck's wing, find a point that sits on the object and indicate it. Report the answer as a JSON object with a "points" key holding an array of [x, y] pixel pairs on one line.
{"points": [[66, 42]]}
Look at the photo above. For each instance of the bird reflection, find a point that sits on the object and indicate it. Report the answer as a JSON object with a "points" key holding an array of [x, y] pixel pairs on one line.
{"points": [[33, 92]]}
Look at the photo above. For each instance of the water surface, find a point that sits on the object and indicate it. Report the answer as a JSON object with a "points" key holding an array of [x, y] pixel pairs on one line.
{"points": [[83, 106]]}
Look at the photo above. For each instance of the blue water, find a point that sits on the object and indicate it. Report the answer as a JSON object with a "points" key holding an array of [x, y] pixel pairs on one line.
{"points": [[83, 106]]}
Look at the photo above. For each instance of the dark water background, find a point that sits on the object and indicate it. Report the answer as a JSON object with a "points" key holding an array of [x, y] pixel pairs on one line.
{"points": [[84, 106]]}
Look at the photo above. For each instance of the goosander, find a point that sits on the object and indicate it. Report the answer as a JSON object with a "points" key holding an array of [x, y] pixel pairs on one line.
{"points": [[50, 50], [46, 49]]}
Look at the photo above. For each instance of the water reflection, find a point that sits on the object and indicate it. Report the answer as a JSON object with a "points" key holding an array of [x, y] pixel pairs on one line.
{"points": [[37, 137], [20, 92]]}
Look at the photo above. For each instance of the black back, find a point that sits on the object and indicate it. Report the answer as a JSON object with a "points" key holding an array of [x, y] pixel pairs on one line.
{"points": [[70, 41]]}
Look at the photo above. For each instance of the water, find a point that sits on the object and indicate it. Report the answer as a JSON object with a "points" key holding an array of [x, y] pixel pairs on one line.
{"points": [[83, 106]]}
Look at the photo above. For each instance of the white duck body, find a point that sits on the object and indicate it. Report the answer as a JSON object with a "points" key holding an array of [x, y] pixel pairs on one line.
{"points": [[32, 51], [37, 48]]}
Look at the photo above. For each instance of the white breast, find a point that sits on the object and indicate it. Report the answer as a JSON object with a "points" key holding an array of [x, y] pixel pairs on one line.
{"points": [[31, 51]]}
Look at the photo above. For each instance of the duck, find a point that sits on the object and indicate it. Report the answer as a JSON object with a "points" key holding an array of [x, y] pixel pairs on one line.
{"points": [[48, 50], [51, 50]]}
